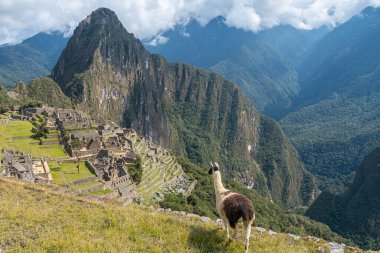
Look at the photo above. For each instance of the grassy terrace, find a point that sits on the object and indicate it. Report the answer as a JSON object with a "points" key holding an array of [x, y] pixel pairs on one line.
{"points": [[18, 135], [65, 173], [39, 219]]}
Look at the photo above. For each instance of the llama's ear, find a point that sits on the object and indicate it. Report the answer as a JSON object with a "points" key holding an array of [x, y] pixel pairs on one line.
{"points": [[212, 165], [216, 165]]}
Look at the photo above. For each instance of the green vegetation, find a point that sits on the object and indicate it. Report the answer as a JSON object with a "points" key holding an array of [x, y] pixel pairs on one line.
{"points": [[5, 101], [355, 214], [65, 173], [268, 215], [334, 135], [42, 91], [37, 218], [18, 135], [281, 165], [135, 170]]}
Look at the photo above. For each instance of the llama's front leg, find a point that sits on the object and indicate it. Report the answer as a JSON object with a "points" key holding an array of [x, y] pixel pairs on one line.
{"points": [[226, 226]]}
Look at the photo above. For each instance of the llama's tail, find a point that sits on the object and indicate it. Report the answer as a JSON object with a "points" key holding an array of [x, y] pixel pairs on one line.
{"points": [[248, 212]]}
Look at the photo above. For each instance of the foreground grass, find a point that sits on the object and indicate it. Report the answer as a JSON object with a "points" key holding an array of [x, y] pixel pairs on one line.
{"points": [[41, 219]]}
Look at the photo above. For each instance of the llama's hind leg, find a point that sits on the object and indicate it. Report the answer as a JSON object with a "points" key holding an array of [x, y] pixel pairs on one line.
{"points": [[247, 226]]}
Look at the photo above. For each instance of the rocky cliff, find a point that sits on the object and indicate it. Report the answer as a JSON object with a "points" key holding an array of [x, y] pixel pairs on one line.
{"points": [[104, 69]]}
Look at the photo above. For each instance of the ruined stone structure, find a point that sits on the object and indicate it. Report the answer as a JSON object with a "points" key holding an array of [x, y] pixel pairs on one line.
{"points": [[113, 172], [107, 150], [20, 165], [71, 119]]}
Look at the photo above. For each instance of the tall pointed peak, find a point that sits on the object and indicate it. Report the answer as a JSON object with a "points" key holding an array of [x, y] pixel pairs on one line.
{"points": [[100, 32], [101, 17]]}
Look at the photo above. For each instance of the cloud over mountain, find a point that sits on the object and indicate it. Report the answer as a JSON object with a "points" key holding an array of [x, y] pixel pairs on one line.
{"points": [[20, 19]]}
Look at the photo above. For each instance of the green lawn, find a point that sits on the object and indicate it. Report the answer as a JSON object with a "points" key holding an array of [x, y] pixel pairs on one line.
{"points": [[66, 173], [18, 135]]}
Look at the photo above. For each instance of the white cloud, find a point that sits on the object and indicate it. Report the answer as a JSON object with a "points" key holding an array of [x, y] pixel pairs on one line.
{"points": [[20, 19]]}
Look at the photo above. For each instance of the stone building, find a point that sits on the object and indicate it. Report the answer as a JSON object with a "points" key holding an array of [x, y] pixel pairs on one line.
{"points": [[17, 164], [22, 166]]}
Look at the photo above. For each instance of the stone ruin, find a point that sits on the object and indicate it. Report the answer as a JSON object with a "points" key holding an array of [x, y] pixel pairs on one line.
{"points": [[22, 166], [114, 173]]}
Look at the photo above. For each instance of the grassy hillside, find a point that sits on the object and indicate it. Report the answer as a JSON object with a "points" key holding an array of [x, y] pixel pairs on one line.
{"points": [[43, 219], [268, 215], [5, 101], [44, 90], [41, 91]]}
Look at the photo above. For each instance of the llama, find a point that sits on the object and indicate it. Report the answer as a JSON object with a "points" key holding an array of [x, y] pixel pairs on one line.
{"points": [[232, 206]]}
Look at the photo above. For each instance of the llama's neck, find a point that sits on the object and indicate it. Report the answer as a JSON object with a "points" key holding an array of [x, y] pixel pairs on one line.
{"points": [[218, 184]]}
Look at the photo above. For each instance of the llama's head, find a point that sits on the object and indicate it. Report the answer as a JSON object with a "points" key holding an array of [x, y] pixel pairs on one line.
{"points": [[214, 167]]}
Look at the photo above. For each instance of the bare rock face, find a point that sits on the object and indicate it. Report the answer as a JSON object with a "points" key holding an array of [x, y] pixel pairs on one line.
{"points": [[198, 114]]}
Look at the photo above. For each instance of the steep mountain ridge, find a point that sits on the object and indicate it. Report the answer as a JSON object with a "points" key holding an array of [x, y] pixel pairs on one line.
{"points": [[339, 121], [266, 77], [337, 60], [355, 214], [198, 114]]}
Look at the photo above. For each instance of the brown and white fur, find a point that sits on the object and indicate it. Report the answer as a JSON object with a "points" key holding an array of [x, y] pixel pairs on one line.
{"points": [[232, 206]]}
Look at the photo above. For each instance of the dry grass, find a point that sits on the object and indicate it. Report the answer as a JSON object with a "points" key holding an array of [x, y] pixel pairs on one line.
{"points": [[41, 219]]}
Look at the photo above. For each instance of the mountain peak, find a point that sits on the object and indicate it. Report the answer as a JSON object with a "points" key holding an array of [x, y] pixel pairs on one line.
{"points": [[101, 16], [100, 33], [370, 11]]}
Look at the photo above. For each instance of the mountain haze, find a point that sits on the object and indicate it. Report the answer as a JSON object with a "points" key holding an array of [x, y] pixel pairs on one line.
{"points": [[34, 57], [198, 114], [255, 62], [339, 119]]}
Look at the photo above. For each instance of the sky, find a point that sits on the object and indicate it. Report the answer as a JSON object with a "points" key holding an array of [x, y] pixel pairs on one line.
{"points": [[20, 19]]}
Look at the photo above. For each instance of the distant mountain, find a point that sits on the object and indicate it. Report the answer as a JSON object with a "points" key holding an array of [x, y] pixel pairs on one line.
{"points": [[290, 42], [198, 114], [34, 57], [350, 51], [355, 214], [261, 64], [339, 120]]}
